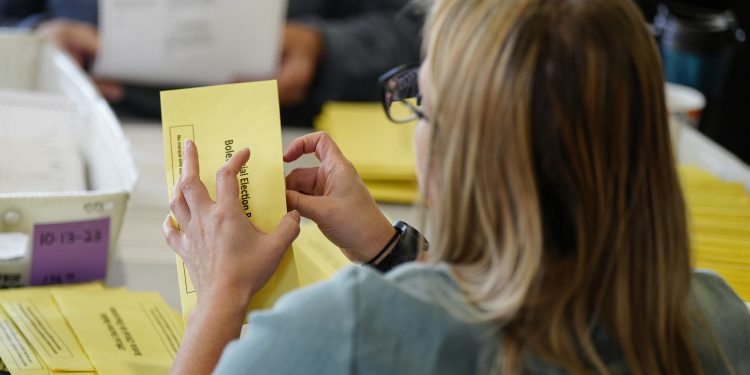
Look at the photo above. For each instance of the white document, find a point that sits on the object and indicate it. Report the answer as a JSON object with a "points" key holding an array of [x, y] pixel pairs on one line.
{"points": [[38, 151], [189, 42], [13, 245]]}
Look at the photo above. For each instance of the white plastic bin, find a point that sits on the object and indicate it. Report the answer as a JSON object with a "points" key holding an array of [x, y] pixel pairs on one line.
{"points": [[72, 235]]}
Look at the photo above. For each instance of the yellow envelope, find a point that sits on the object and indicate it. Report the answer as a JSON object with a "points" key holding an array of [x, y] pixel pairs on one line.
{"points": [[378, 148], [43, 325], [719, 217], [17, 354], [221, 120], [319, 255], [720, 227], [122, 332], [400, 192]]}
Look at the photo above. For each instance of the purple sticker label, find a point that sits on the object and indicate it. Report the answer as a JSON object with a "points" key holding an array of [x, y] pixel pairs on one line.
{"points": [[68, 252]]}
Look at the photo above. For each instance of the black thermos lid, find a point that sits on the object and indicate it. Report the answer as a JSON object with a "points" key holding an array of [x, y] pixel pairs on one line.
{"points": [[696, 29]]}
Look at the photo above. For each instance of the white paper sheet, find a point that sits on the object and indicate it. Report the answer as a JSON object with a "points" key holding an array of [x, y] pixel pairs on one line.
{"points": [[13, 245], [38, 152], [185, 42]]}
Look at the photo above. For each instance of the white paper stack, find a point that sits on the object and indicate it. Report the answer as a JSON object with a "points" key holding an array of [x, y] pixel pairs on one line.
{"points": [[38, 152], [189, 42]]}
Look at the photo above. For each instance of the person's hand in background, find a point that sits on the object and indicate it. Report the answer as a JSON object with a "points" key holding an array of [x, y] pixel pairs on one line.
{"points": [[334, 197], [81, 41], [301, 50]]}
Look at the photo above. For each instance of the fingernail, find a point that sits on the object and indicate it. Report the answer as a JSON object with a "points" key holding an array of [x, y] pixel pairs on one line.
{"points": [[188, 144]]}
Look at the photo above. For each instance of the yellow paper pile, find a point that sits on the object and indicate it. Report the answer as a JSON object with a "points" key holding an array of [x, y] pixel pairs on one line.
{"points": [[719, 217], [86, 329], [321, 257], [382, 151]]}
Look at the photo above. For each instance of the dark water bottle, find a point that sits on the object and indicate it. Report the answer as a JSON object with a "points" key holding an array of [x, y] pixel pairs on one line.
{"points": [[697, 44]]}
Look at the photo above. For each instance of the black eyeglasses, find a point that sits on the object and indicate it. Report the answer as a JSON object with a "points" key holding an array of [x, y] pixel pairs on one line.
{"points": [[402, 100]]}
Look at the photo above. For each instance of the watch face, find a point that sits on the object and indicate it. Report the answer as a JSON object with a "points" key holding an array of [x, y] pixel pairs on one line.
{"points": [[400, 226], [412, 236]]}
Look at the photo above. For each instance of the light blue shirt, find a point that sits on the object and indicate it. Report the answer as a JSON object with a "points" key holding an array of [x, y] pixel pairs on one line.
{"points": [[414, 321]]}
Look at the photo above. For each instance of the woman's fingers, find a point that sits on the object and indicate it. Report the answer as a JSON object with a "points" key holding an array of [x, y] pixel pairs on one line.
{"points": [[192, 187], [311, 207], [287, 230], [79, 39], [320, 143], [172, 235], [179, 206], [304, 180], [227, 190], [113, 91]]}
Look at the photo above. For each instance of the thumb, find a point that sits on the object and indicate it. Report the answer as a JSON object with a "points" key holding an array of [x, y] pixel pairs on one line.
{"points": [[308, 206], [288, 229]]}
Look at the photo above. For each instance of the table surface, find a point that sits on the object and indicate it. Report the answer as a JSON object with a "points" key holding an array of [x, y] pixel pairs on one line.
{"points": [[142, 259]]}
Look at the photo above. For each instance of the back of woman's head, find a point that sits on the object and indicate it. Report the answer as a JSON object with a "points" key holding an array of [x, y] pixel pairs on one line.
{"points": [[558, 205]]}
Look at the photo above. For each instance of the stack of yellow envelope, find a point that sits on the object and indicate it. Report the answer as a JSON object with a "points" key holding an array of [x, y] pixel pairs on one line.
{"points": [[719, 219], [86, 329], [320, 257], [382, 151]]}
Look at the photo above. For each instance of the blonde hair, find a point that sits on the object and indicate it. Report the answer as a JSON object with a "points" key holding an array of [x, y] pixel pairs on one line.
{"points": [[558, 205]]}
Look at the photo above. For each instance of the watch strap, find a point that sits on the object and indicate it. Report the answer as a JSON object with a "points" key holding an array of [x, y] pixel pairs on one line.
{"points": [[406, 248]]}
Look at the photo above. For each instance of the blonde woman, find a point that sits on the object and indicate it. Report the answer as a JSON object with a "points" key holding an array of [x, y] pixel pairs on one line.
{"points": [[560, 239]]}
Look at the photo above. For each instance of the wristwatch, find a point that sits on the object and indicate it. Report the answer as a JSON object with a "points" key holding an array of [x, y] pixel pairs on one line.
{"points": [[405, 249]]}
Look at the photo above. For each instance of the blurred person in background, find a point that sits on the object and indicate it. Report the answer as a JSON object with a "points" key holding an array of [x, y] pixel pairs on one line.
{"points": [[560, 233], [332, 49], [726, 118]]}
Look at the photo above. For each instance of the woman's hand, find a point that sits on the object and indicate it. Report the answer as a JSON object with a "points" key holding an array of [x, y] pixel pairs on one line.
{"points": [[301, 49], [81, 41], [333, 196], [226, 255]]}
